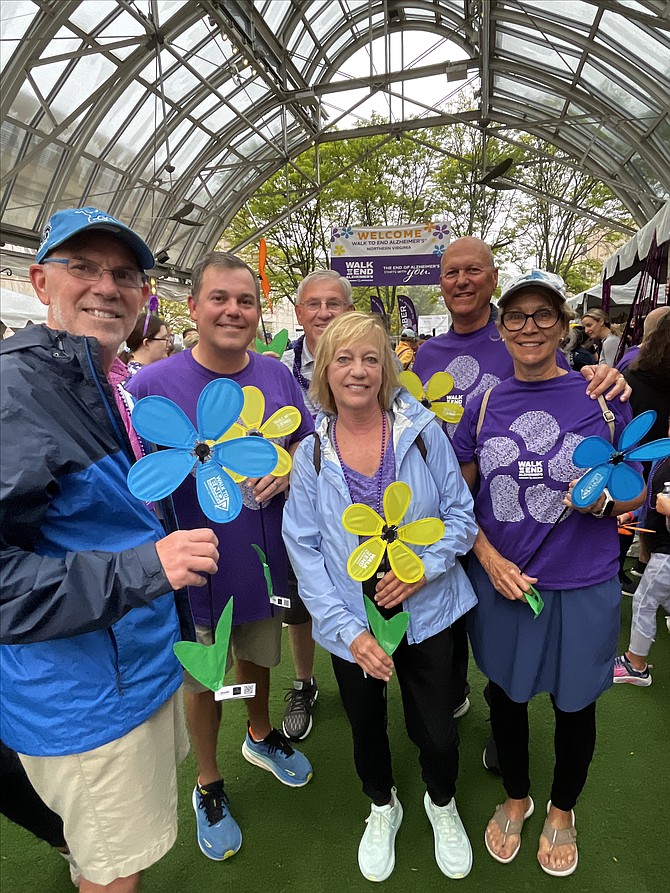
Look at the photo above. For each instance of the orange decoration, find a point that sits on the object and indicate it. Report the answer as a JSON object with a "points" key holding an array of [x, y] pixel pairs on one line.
{"points": [[265, 282]]}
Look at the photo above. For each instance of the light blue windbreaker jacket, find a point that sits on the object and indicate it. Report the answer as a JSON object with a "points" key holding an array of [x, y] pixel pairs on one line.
{"points": [[319, 546]]}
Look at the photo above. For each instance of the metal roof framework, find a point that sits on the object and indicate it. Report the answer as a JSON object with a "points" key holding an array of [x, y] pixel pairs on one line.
{"points": [[171, 113]]}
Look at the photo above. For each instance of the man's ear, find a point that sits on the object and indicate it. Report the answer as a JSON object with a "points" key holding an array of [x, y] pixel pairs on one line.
{"points": [[193, 308], [38, 281]]}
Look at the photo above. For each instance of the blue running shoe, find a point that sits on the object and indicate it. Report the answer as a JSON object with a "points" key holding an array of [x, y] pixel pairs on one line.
{"points": [[219, 835], [276, 755]]}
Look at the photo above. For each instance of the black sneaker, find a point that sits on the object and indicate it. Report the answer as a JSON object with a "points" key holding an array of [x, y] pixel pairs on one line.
{"points": [[638, 568], [301, 698], [628, 586]]}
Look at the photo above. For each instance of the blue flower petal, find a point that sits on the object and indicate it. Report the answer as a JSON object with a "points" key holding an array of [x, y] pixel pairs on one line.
{"points": [[161, 421], [592, 451], [219, 405], [157, 475], [590, 485], [655, 449], [635, 430], [218, 495], [625, 483], [251, 456]]}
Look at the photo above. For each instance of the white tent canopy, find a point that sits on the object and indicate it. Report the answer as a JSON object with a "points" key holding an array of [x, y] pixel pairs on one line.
{"points": [[622, 296], [17, 310], [627, 261]]}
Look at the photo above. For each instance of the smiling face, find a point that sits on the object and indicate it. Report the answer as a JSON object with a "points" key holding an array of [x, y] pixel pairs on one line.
{"points": [[355, 378], [159, 346], [315, 319], [468, 278], [102, 309], [532, 348], [227, 313], [594, 328]]}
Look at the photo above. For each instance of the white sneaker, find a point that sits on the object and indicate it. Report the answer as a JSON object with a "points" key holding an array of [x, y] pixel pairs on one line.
{"points": [[453, 852], [376, 851]]}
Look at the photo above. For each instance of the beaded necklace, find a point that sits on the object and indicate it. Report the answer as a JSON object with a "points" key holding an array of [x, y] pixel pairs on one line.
{"points": [[297, 365], [378, 473]]}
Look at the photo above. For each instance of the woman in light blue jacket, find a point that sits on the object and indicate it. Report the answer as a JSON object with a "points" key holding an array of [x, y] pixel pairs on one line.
{"points": [[370, 434]]}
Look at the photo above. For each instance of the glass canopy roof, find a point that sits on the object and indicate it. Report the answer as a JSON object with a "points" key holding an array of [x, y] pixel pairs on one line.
{"points": [[171, 113]]}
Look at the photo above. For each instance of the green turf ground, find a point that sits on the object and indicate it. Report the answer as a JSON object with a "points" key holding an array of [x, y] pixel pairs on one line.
{"points": [[305, 841]]}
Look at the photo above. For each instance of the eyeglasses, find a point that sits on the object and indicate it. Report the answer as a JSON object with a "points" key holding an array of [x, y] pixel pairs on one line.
{"points": [[168, 338], [515, 320], [92, 272], [332, 304]]}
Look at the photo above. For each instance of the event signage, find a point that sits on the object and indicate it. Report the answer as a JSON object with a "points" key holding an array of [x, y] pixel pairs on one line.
{"points": [[407, 313], [404, 254]]}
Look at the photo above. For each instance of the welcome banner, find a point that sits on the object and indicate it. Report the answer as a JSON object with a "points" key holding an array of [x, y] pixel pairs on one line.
{"points": [[405, 254]]}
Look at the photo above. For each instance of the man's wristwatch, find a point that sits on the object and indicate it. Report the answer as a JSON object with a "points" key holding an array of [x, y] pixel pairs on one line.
{"points": [[608, 505]]}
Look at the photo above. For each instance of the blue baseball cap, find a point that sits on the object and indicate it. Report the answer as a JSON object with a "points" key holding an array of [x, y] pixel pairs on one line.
{"points": [[62, 225]]}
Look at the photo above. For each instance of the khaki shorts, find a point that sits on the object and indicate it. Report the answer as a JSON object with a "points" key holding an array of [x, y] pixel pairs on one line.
{"points": [[118, 802], [258, 642]]}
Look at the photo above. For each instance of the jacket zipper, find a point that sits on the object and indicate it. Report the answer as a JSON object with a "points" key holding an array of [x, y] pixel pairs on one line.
{"points": [[117, 669]]}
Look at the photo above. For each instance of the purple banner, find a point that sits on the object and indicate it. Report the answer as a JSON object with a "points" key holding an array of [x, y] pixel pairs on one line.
{"points": [[389, 270], [407, 313], [376, 306]]}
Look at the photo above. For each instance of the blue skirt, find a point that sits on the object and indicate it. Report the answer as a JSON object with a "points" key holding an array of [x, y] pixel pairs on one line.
{"points": [[567, 651]]}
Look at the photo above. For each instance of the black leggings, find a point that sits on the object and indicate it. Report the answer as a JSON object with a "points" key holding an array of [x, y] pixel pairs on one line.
{"points": [[20, 802], [574, 743], [425, 675]]}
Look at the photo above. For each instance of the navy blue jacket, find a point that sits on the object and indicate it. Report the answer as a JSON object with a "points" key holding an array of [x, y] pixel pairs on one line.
{"points": [[87, 615]]}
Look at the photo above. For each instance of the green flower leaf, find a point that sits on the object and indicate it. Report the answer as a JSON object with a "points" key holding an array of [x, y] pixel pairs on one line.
{"points": [[207, 663], [388, 633], [266, 569], [277, 345]]}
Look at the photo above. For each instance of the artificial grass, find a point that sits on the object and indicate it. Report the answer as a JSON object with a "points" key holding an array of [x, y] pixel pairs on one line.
{"points": [[306, 840]]}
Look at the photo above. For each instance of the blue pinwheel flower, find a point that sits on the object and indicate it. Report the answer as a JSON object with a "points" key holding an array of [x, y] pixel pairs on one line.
{"points": [[162, 422], [347, 232], [439, 250], [607, 465]]}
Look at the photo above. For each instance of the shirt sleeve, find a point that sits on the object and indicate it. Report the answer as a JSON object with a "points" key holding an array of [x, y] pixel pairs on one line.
{"points": [[465, 438]]}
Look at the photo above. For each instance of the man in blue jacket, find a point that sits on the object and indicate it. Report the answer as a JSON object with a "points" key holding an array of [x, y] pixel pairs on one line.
{"points": [[90, 607]]}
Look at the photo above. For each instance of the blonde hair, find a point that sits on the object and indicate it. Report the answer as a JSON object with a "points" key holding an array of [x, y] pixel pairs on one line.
{"points": [[348, 330], [599, 316]]}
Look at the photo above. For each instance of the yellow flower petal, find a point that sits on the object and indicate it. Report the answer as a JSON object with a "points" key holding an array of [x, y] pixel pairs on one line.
{"points": [[424, 532], [396, 502], [439, 384], [365, 559], [407, 566], [282, 422], [284, 462], [412, 382], [448, 412], [254, 407], [362, 520]]}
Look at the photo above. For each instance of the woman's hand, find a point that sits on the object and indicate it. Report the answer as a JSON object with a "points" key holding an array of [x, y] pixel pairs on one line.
{"points": [[506, 577], [391, 591], [606, 378], [266, 487], [588, 509], [663, 504], [370, 657]]}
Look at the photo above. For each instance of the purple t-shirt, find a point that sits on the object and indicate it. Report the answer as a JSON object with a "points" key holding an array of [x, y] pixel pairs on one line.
{"points": [[477, 361], [628, 357], [182, 378], [524, 453]]}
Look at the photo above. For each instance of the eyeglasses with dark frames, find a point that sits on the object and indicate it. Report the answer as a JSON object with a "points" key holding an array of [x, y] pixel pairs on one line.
{"points": [[92, 272], [544, 318]]}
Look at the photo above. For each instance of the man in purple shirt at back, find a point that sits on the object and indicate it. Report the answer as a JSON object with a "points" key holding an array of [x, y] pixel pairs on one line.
{"points": [[225, 304], [475, 356]]}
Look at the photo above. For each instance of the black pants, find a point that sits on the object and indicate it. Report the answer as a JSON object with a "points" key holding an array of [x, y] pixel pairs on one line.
{"points": [[425, 675], [574, 743], [20, 802]]}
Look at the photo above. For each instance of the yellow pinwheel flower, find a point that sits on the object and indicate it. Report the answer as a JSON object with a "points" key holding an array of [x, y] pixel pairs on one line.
{"points": [[439, 385], [282, 422], [388, 535]]}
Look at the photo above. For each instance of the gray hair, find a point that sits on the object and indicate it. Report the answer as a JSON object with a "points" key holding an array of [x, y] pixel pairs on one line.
{"points": [[227, 262], [330, 275]]}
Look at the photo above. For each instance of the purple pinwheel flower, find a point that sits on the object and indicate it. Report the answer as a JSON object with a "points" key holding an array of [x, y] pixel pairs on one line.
{"points": [[162, 422], [607, 464]]}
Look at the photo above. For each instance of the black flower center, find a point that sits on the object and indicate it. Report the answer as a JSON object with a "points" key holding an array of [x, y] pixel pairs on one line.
{"points": [[426, 402], [202, 451], [390, 533], [617, 458]]}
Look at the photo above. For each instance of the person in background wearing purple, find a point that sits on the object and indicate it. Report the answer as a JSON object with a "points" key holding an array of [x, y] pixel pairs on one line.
{"points": [[515, 445], [474, 354], [225, 304], [651, 320], [321, 297]]}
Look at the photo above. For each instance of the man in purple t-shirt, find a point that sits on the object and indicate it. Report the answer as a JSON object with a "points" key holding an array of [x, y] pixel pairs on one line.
{"points": [[225, 304]]}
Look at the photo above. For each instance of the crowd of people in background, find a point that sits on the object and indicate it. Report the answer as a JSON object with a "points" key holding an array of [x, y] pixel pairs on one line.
{"points": [[99, 585]]}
